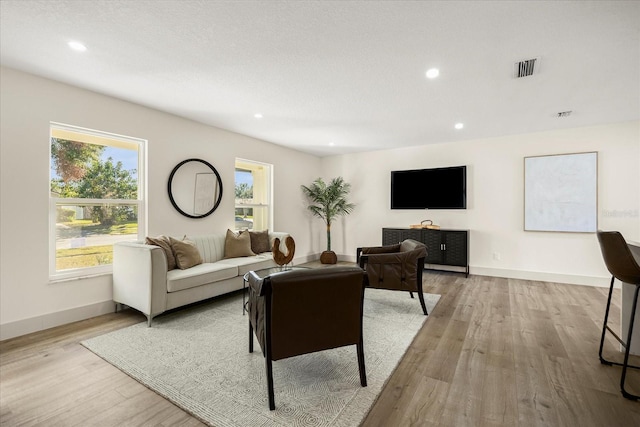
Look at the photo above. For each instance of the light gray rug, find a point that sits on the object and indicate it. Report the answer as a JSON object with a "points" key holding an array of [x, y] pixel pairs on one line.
{"points": [[198, 358]]}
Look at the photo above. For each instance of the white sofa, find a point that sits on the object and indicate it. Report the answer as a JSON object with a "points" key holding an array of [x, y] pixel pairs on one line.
{"points": [[141, 280]]}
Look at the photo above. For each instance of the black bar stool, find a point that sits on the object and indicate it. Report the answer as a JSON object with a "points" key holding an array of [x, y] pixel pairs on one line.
{"points": [[623, 266]]}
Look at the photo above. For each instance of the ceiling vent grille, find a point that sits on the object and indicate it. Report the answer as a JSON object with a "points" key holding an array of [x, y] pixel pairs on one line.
{"points": [[525, 68], [564, 114]]}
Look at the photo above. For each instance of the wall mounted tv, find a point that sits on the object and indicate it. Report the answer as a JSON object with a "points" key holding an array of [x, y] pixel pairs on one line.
{"points": [[439, 188]]}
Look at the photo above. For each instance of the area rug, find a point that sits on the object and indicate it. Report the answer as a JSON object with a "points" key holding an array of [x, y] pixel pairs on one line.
{"points": [[198, 358]]}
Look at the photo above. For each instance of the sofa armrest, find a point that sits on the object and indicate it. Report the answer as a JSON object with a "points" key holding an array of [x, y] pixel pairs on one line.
{"points": [[140, 277]]}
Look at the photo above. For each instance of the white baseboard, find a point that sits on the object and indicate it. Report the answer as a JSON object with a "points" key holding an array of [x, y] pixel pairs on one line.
{"points": [[541, 276], [50, 320]]}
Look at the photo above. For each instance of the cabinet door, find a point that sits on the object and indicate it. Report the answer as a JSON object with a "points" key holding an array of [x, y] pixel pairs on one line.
{"points": [[433, 240], [455, 244], [391, 236]]}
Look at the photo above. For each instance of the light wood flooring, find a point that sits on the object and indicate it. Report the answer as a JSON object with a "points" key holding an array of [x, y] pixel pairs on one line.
{"points": [[494, 352]]}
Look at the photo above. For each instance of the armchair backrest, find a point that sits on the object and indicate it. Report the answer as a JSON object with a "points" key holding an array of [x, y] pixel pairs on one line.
{"points": [[398, 268], [309, 310]]}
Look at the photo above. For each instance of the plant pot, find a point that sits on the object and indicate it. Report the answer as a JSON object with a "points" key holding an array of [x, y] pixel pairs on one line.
{"points": [[328, 257]]}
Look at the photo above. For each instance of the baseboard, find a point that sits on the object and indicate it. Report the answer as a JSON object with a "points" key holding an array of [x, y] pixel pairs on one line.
{"points": [[50, 320], [541, 276]]}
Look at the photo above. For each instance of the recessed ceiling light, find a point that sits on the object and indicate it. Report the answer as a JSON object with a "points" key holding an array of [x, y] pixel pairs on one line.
{"points": [[331, 144], [459, 125], [257, 116], [432, 73], [77, 46]]}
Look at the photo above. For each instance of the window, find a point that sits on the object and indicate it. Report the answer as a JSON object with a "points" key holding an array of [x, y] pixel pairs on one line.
{"points": [[253, 195], [96, 198]]}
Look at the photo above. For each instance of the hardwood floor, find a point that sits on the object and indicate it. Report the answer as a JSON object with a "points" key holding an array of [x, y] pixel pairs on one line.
{"points": [[494, 352]]}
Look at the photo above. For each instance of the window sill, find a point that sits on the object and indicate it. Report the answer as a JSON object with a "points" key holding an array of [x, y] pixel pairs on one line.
{"points": [[61, 279]]}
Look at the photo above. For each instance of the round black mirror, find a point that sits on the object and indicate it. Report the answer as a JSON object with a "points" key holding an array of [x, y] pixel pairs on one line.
{"points": [[195, 188]]}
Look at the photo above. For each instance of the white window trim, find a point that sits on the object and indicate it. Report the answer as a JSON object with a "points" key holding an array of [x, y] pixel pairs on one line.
{"points": [[140, 203]]}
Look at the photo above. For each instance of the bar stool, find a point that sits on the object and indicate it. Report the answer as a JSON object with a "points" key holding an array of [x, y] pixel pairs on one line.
{"points": [[623, 266]]}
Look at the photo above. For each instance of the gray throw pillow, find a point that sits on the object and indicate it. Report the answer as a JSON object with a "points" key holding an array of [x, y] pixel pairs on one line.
{"points": [[260, 241]]}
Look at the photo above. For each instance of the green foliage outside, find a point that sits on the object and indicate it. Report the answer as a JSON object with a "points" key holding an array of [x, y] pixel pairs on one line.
{"points": [[84, 257], [83, 174], [244, 191]]}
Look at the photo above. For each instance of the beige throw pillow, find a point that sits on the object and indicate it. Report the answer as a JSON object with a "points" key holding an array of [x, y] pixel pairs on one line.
{"points": [[260, 241], [163, 242], [186, 253], [237, 245]]}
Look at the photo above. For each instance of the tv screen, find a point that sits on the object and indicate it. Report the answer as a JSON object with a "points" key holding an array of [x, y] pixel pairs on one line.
{"points": [[439, 188]]}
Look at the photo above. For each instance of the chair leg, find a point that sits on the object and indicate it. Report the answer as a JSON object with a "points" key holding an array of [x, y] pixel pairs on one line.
{"points": [[250, 337], [604, 325], [411, 294], [361, 367], [625, 364], [272, 400], [424, 306]]}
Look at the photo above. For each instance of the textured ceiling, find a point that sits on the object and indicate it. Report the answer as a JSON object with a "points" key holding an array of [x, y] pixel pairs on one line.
{"points": [[346, 73]]}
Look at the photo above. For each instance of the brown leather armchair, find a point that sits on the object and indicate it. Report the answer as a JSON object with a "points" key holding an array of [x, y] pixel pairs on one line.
{"points": [[396, 267], [303, 311]]}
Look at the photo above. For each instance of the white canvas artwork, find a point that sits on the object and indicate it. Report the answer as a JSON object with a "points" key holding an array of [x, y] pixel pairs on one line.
{"points": [[560, 193], [205, 193]]}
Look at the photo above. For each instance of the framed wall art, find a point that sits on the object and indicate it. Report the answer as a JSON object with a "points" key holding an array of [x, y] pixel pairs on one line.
{"points": [[561, 193]]}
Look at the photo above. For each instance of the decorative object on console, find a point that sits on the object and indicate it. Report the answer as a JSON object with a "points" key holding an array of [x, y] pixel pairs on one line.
{"points": [[280, 258], [195, 188], [427, 223], [328, 201]]}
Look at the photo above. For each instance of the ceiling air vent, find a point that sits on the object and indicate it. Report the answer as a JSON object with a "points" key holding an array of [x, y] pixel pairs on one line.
{"points": [[564, 114], [525, 68]]}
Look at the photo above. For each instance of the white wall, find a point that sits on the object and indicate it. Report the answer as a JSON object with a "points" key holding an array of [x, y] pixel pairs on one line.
{"points": [[495, 213], [28, 302]]}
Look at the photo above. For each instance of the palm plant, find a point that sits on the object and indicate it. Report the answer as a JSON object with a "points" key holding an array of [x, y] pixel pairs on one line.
{"points": [[328, 201]]}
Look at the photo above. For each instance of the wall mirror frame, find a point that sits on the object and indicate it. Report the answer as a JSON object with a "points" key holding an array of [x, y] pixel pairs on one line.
{"points": [[195, 188]]}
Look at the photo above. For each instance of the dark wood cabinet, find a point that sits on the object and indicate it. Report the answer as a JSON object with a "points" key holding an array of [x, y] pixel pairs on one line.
{"points": [[444, 247]]}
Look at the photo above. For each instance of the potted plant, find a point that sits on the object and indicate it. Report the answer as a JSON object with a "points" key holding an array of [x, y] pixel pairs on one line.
{"points": [[328, 201]]}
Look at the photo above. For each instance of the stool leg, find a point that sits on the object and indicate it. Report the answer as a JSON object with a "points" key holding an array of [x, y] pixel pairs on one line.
{"points": [[604, 325], [628, 347]]}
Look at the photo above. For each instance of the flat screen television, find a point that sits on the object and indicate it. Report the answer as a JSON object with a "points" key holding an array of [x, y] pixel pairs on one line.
{"points": [[438, 188]]}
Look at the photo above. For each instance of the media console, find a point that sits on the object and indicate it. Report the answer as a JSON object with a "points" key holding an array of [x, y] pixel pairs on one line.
{"points": [[444, 247]]}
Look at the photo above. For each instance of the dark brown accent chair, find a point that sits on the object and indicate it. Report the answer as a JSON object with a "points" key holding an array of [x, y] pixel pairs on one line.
{"points": [[396, 267], [303, 311], [623, 265]]}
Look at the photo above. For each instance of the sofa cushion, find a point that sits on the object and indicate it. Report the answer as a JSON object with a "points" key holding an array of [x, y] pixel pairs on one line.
{"points": [[260, 241], [186, 253], [202, 274], [246, 264], [237, 245], [164, 243]]}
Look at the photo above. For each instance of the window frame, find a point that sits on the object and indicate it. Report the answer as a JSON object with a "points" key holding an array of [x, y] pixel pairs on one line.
{"points": [[54, 202]]}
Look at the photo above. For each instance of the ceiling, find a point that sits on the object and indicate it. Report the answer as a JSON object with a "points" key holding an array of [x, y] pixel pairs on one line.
{"points": [[339, 77]]}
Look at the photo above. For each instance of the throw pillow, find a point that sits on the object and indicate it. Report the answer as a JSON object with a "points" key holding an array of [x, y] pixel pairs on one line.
{"points": [[186, 253], [260, 241], [163, 242], [237, 245]]}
